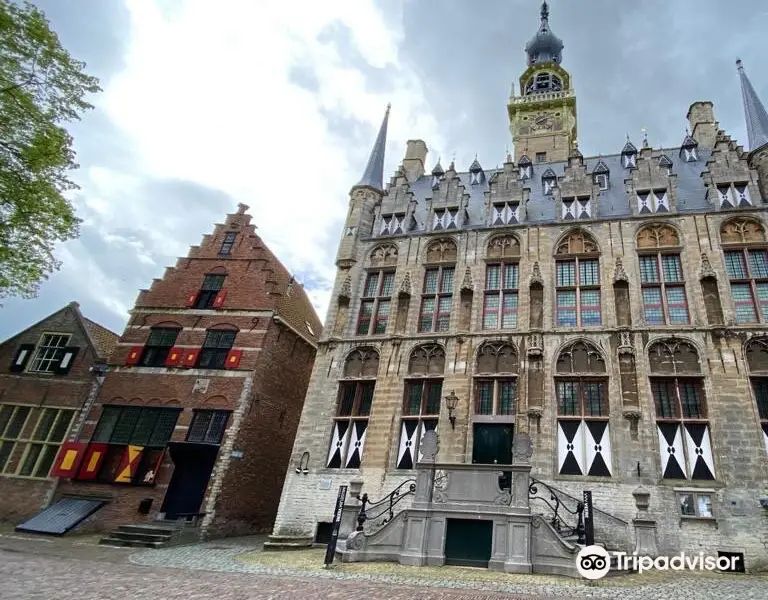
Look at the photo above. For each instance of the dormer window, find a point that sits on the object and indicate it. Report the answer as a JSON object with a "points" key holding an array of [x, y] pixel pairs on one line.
{"points": [[549, 181], [665, 164], [445, 219], [228, 243], [507, 213], [474, 178], [601, 180], [732, 196], [600, 176], [577, 209], [688, 150], [475, 173], [525, 167], [629, 155], [655, 201], [437, 175], [392, 224]]}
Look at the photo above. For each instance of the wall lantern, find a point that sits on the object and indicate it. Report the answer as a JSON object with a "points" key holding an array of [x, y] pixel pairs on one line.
{"points": [[451, 401]]}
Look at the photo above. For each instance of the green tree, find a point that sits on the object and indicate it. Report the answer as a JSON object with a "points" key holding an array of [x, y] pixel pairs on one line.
{"points": [[42, 88]]}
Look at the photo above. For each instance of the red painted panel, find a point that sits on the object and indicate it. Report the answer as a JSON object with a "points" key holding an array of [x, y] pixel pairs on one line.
{"points": [[92, 460], [218, 301], [174, 357], [190, 356], [69, 458], [134, 354], [233, 359]]}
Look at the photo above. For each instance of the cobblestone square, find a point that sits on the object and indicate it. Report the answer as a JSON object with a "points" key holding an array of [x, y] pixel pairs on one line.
{"points": [[77, 568]]}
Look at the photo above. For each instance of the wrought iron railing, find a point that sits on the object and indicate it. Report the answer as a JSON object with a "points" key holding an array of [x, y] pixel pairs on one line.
{"points": [[561, 513], [377, 514]]}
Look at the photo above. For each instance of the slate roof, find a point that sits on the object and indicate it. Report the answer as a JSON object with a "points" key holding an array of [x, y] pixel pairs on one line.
{"points": [[613, 202]]}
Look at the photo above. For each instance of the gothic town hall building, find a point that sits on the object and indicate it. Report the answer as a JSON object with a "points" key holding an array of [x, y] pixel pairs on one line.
{"points": [[614, 308]]}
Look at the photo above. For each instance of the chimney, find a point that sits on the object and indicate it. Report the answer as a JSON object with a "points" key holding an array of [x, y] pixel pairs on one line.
{"points": [[415, 157], [701, 119]]}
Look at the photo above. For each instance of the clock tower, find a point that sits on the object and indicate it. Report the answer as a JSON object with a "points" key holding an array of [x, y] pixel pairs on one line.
{"points": [[542, 119]]}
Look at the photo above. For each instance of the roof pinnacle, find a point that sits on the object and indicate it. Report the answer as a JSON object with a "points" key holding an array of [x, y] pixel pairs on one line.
{"points": [[754, 112], [374, 170]]}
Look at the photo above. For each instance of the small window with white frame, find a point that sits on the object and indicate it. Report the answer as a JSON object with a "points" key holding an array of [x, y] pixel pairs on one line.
{"points": [[695, 503], [49, 352], [601, 179]]}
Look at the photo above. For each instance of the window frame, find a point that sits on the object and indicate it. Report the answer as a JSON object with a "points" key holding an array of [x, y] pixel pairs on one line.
{"points": [[540, 158], [198, 413], [53, 361], [155, 355], [228, 243], [62, 415], [759, 307], [423, 416], [695, 495], [502, 292], [578, 288], [359, 384], [580, 380], [211, 285], [662, 285], [437, 297], [218, 352], [375, 302]]}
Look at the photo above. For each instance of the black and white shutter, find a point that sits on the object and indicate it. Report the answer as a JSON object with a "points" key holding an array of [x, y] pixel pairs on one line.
{"points": [[67, 360], [21, 358]]}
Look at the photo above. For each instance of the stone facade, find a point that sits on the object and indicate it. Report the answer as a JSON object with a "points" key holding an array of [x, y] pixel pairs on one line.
{"points": [[625, 341], [51, 372], [200, 406]]}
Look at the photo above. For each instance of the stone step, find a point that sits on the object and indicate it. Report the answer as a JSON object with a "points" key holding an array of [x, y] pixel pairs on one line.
{"points": [[113, 541], [147, 529], [288, 542], [139, 537]]}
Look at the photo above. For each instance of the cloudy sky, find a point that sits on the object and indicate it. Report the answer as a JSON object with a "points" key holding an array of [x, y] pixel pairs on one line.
{"points": [[275, 103]]}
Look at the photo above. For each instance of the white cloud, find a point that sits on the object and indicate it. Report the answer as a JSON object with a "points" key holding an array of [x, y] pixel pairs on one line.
{"points": [[205, 96]]}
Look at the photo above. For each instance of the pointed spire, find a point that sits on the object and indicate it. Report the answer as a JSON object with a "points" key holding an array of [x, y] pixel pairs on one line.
{"points": [[754, 111], [438, 170], [629, 147], [374, 170], [688, 141], [545, 46]]}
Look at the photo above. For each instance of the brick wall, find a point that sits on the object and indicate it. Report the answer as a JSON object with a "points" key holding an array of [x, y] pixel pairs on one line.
{"points": [[22, 497]]}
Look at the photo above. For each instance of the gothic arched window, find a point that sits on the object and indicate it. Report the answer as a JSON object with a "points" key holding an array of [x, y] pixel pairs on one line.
{"points": [[746, 262], [577, 264], [501, 283], [581, 388], [496, 379], [661, 275], [376, 299], [437, 293], [756, 353], [677, 385], [354, 406], [421, 404]]}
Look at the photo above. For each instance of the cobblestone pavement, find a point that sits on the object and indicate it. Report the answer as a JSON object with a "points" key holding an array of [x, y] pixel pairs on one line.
{"points": [[70, 568], [237, 556], [32, 577]]}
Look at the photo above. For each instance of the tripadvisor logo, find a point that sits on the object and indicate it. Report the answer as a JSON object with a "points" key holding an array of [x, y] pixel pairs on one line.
{"points": [[594, 562]]}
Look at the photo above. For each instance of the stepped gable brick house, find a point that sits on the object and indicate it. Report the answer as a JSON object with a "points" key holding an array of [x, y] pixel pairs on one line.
{"points": [[614, 308], [197, 415], [50, 374]]}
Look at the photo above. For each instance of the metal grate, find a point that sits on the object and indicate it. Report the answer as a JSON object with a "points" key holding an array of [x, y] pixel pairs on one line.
{"points": [[62, 516]]}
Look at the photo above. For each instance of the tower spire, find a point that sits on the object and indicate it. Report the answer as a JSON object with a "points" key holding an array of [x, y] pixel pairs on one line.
{"points": [[754, 112], [545, 46], [374, 170]]}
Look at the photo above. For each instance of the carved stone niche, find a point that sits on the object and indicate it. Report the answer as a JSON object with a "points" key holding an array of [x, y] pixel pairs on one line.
{"points": [[535, 346], [625, 343], [633, 416]]}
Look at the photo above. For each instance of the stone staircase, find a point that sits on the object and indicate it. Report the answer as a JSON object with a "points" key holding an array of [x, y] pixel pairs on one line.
{"points": [[161, 535]]}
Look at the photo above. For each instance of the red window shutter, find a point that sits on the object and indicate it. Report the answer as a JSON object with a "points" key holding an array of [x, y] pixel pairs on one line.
{"points": [[233, 359], [190, 356], [174, 357], [94, 456], [128, 464], [69, 458], [218, 301], [134, 354], [191, 299]]}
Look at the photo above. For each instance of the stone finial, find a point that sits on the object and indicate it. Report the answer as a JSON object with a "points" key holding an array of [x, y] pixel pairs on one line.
{"points": [[466, 283], [706, 268], [405, 284], [619, 273], [345, 293], [241, 208], [536, 278]]}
